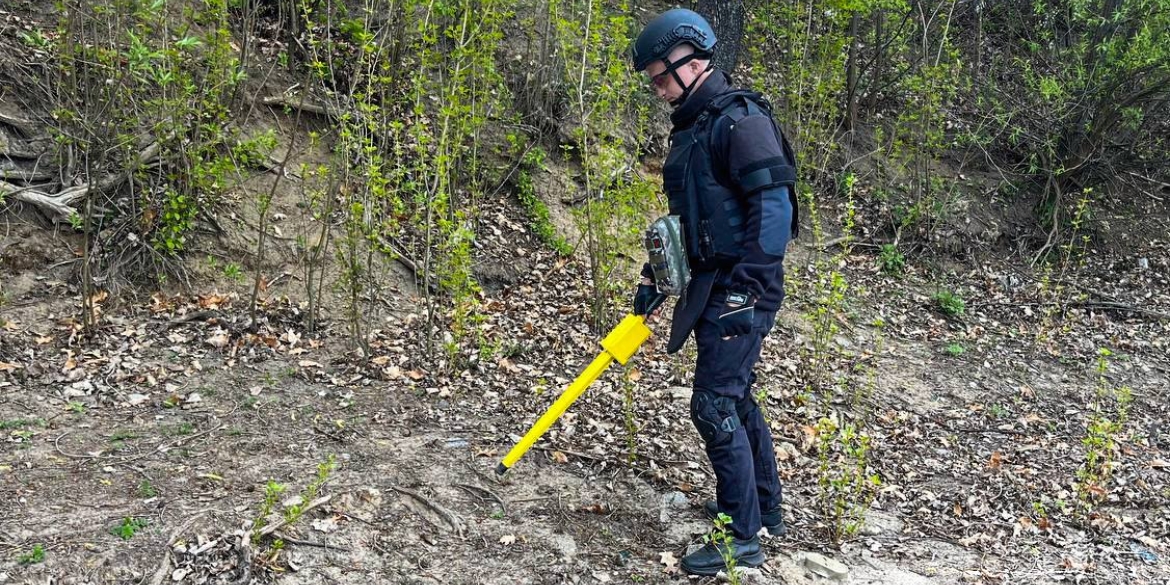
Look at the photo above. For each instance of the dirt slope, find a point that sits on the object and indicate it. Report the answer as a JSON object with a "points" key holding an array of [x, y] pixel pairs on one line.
{"points": [[141, 453], [181, 422]]}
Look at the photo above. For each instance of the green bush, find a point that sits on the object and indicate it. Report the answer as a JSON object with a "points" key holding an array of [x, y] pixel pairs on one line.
{"points": [[891, 259], [950, 303]]}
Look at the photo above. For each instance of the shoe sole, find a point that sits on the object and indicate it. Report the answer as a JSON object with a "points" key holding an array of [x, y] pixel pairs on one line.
{"points": [[750, 561]]}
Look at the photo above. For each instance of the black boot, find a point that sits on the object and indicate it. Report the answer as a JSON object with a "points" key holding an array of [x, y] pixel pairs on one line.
{"points": [[773, 520], [708, 561]]}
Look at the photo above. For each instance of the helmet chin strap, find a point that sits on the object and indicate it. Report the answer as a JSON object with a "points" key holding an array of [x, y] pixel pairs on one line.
{"points": [[687, 88]]}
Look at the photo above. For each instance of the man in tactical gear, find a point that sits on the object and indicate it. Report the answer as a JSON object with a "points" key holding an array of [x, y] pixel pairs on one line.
{"points": [[729, 178]]}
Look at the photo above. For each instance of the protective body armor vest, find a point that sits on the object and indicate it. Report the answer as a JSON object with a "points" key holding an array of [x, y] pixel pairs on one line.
{"points": [[711, 212]]}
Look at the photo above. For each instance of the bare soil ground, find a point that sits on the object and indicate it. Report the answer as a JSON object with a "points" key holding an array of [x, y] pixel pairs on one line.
{"points": [[178, 423], [141, 452]]}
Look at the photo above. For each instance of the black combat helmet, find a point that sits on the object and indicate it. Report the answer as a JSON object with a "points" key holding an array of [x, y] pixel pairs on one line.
{"points": [[669, 30]]}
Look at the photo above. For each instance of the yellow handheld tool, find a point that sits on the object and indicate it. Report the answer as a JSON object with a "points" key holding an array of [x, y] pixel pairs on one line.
{"points": [[620, 345]]}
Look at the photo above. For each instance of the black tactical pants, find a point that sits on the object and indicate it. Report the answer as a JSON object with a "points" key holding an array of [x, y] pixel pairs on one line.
{"points": [[737, 439]]}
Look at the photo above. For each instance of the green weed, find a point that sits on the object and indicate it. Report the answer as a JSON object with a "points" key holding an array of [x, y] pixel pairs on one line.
{"points": [[36, 555], [891, 260], [1109, 408], [146, 489], [847, 488], [21, 423], [724, 542], [129, 527], [950, 303], [233, 271]]}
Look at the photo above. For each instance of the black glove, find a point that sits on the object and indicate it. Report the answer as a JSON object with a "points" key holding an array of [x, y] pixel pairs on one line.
{"points": [[739, 311], [647, 298]]}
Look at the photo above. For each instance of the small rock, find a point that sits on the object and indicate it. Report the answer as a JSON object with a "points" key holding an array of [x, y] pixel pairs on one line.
{"points": [[680, 392], [180, 574], [78, 389], [676, 500], [747, 576], [825, 567], [455, 443], [878, 522], [623, 558], [785, 451], [670, 502], [137, 399], [325, 525], [1143, 264], [564, 544], [3, 577], [194, 397]]}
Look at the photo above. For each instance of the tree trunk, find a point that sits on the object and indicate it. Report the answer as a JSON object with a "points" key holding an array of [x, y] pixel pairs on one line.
{"points": [[978, 65], [878, 73], [726, 17], [851, 72]]}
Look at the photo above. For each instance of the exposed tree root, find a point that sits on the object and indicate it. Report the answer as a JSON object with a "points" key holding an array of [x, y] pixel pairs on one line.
{"points": [[59, 205]]}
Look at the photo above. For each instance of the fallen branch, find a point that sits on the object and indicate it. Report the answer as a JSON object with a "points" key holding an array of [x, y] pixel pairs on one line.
{"points": [[1161, 315], [298, 103], [164, 567], [271, 528], [13, 172], [408, 262], [192, 316], [482, 494], [288, 539], [1106, 305], [59, 205], [1150, 179], [445, 514], [21, 125]]}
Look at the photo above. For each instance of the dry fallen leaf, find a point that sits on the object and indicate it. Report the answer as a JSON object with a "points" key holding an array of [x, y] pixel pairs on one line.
{"points": [[560, 457], [600, 508], [219, 340], [996, 460]]}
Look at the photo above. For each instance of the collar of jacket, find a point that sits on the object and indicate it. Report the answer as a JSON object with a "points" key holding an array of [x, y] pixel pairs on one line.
{"points": [[718, 82]]}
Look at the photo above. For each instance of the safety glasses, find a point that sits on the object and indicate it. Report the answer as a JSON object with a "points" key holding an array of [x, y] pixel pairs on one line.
{"points": [[661, 80]]}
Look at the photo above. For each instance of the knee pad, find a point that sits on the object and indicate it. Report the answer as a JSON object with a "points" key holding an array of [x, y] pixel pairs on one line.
{"points": [[714, 416]]}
